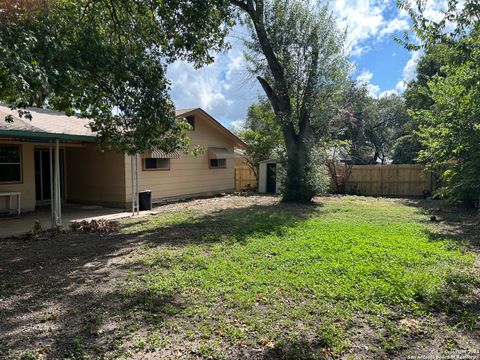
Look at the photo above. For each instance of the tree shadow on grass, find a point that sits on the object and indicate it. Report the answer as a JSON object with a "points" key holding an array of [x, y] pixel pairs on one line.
{"points": [[459, 227], [297, 350], [234, 225], [66, 296], [452, 222]]}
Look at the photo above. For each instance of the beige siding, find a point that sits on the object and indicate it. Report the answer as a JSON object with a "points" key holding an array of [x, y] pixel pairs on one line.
{"points": [[27, 187], [95, 177], [189, 175]]}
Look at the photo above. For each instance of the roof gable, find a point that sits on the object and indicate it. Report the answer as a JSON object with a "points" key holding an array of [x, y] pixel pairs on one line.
{"points": [[180, 113]]}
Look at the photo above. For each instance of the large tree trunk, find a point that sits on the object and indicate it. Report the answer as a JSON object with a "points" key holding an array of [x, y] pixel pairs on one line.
{"points": [[298, 184]]}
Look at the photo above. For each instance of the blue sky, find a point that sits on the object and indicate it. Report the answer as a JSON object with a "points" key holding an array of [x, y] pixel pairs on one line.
{"points": [[225, 90]]}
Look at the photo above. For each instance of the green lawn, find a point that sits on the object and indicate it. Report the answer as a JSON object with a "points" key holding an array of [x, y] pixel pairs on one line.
{"points": [[354, 277]]}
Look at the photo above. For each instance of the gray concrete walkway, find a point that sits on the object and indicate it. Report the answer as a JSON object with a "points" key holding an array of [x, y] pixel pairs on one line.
{"points": [[19, 225]]}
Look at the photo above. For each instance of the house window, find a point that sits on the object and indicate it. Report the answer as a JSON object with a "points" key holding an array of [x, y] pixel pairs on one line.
{"points": [[191, 121], [218, 163], [156, 164], [10, 163]]}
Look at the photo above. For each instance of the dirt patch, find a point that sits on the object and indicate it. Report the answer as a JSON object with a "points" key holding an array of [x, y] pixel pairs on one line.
{"points": [[56, 294], [210, 205]]}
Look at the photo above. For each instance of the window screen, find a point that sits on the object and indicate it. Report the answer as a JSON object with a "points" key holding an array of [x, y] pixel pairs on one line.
{"points": [[191, 121], [218, 163], [10, 163], [157, 163]]}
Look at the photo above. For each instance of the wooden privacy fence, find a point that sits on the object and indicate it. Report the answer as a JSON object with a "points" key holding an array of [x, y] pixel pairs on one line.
{"points": [[244, 178], [390, 180]]}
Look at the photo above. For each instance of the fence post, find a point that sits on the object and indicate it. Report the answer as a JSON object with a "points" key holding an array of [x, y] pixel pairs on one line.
{"points": [[381, 180]]}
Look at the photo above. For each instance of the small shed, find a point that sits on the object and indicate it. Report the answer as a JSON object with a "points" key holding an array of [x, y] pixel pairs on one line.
{"points": [[269, 179]]}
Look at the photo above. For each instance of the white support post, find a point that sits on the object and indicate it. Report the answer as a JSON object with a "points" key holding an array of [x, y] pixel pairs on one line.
{"points": [[135, 200], [52, 195], [133, 186], [136, 179], [58, 198]]}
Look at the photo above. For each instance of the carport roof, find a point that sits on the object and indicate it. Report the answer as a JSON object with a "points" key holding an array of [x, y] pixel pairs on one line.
{"points": [[57, 125], [45, 124]]}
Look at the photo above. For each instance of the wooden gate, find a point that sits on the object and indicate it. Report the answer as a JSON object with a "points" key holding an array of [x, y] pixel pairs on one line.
{"points": [[245, 179]]}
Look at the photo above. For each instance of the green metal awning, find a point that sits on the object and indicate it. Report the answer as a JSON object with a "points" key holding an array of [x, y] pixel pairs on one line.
{"points": [[45, 135]]}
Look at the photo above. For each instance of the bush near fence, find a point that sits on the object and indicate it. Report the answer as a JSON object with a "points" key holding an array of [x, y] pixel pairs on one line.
{"points": [[391, 180]]}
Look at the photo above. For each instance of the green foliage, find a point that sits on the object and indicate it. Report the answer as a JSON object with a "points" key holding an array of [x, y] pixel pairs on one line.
{"points": [[448, 113], [106, 60], [262, 134], [284, 274], [370, 125], [417, 96], [319, 178], [386, 125], [29, 355], [406, 149], [451, 128], [77, 350]]}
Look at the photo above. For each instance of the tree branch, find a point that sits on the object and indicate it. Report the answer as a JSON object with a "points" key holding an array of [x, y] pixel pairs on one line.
{"points": [[287, 126], [269, 91], [256, 15], [240, 4], [309, 92]]}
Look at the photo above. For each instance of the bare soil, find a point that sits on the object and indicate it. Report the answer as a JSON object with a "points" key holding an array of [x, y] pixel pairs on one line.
{"points": [[53, 290]]}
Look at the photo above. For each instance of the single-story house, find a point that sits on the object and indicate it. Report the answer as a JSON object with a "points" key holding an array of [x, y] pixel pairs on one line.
{"points": [[86, 175]]}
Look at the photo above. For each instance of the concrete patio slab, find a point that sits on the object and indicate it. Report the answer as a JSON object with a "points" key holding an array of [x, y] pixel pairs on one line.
{"points": [[19, 225]]}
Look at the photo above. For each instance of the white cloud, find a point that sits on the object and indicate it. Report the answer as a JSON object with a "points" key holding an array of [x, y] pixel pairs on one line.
{"points": [[222, 88], [365, 78], [397, 24], [410, 69], [237, 125], [368, 20], [401, 86]]}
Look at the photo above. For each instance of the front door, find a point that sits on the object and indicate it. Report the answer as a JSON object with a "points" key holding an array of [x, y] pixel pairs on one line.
{"points": [[271, 178], [42, 175]]}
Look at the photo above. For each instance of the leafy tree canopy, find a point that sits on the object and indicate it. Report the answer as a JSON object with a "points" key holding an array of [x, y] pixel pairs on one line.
{"points": [[262, 135], [370, 125], [106, 60], [449, 116]]}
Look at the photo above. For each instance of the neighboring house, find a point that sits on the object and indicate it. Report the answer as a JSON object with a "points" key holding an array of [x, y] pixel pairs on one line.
{"points": [[104, 178]]}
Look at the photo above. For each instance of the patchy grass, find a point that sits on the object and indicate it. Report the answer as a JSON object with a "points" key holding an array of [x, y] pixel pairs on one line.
{"points": [[344, 276], [248, 278]]}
